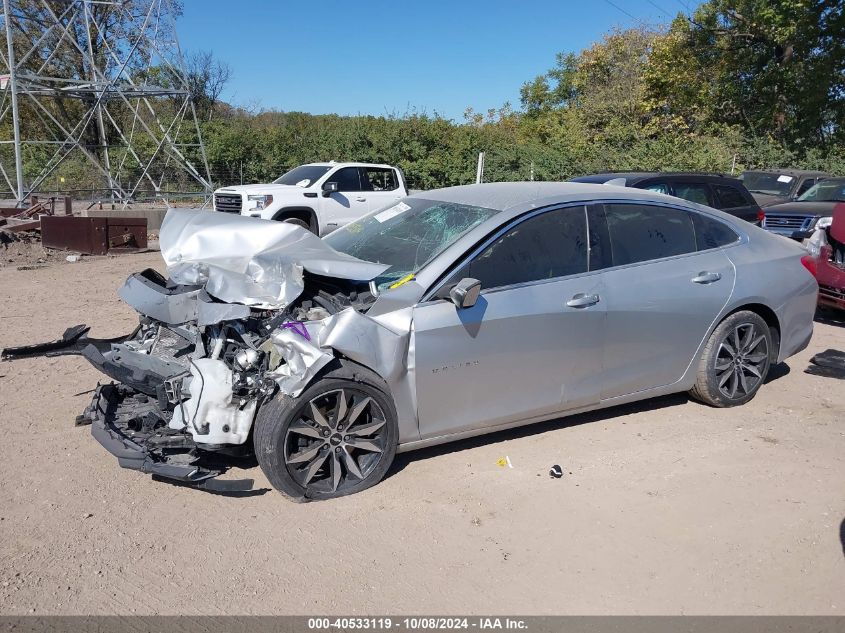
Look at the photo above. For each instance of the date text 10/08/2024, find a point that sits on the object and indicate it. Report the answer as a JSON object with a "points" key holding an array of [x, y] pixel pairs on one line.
{"points": [[416, 623]]}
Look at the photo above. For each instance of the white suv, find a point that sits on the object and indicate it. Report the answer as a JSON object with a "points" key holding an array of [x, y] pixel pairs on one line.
{"points": [[318, 196]]}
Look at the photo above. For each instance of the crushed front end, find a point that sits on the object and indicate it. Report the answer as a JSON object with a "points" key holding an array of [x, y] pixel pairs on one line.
{"points": [[185, 395], [135, 429], [149, 417], [187, 383]]}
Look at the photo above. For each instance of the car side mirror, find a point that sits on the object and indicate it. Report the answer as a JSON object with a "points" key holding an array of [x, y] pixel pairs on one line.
{"points": [[329, 188], [465, 293]]}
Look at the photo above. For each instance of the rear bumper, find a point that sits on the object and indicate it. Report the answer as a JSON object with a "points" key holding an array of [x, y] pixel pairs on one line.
{"points": [[796, 318], [831, 280], [832, 297]]}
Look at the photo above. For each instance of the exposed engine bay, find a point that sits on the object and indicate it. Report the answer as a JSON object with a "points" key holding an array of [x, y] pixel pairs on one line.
{"points": [[244, 313]]}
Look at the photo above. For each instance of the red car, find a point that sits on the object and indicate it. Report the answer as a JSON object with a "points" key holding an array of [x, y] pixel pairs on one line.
{"points": [[828, 267]]}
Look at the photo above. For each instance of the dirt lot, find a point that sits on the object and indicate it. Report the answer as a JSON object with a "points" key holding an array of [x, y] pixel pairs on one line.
{"points": [[666, 507]]}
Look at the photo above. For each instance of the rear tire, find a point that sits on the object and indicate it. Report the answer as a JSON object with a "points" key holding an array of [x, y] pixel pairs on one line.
{"points": [[735, 361], [337, 438]]}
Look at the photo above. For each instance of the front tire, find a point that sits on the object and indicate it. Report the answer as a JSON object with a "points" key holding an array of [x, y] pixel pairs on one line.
{"points": [[337, 438], [735, 361], [297, 222]]}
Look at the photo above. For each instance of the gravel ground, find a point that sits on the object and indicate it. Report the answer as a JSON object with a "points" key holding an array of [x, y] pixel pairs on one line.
{"points": [[666, 507]]}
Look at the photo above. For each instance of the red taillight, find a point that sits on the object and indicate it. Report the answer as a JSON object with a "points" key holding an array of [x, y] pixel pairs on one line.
{"points": [[761, 215], [809, 263]]}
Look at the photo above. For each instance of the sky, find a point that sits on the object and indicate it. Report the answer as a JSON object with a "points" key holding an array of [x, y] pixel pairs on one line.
{"points": [[393, 57]]}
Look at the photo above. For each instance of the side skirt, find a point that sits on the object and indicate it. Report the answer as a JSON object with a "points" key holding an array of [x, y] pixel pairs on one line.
{"points": [[606, 404]]}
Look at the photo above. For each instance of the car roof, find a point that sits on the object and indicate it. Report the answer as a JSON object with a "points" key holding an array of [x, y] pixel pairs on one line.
{"points": [[787, 172], [633, 177], [518, 196], [512, 199], [352, 164]]}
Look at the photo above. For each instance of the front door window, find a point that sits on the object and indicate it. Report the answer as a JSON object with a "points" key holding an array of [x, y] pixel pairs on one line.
{"points": [[521, 351]]}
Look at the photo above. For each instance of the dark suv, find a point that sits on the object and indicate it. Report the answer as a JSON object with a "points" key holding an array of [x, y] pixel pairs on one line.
{"points": [[773, 186], [799, 218], [713, 190]]}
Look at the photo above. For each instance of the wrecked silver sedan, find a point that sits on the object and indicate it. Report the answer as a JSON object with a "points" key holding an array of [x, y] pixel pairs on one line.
{"points": [[453, 313]]}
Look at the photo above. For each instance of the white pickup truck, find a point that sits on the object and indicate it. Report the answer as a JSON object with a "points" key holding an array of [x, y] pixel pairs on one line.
{"points": [[317, 196]]}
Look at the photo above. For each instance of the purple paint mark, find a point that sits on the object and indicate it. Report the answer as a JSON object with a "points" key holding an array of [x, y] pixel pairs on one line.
{"points": [[298, 327]]}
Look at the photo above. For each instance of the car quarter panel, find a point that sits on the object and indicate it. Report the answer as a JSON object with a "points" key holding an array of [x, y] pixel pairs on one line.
{"points": [[770, 273]]}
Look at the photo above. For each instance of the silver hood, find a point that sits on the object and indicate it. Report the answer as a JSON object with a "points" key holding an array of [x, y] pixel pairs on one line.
{"points": [[250, 261]]}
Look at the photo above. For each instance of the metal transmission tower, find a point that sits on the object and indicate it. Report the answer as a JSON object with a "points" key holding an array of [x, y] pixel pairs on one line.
{"points": [[97, 89]]}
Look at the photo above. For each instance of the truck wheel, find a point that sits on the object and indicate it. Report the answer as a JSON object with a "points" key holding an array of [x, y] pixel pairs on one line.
{"points": [[735, 361], [337, 438], [297, 222]]}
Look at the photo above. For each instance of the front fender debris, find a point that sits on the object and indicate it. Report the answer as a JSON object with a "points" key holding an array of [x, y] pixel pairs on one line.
{"points": [[73, 342]]}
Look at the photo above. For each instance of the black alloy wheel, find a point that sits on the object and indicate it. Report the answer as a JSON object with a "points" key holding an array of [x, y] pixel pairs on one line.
{"points": [[336, 441], [735, 360], [338, 437]]}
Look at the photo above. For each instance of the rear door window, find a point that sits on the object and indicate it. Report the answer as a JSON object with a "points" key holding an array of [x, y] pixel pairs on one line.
{"points": [[642, 232], [378, 179], [710, 233], [730, 197], [347, 179], [546, 246], [694, 192]]}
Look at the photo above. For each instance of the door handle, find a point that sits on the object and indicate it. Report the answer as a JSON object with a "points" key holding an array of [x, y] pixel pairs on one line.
{"points": [[360, 199], [706, 278], [582, 300]]}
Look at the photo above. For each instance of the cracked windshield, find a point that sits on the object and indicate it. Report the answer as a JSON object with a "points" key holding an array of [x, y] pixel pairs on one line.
{"points": [[407, 235]]}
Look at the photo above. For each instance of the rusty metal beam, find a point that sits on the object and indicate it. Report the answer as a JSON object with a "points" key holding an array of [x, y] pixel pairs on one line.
{"points": [[93, 236], [32, 225]]}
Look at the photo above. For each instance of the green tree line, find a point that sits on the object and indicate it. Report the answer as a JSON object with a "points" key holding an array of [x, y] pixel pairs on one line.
{"points": [[735, 84]]}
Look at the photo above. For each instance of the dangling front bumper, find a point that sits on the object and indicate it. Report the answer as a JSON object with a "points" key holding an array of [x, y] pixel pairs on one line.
{"points": [[131, 426]]}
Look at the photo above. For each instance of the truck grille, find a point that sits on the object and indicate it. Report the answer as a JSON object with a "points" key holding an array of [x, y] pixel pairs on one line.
{"points": [[227, 202], [778, 222]]}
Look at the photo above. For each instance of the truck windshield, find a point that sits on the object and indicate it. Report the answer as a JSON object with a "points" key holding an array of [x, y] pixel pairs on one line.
{"points": [[303, 176], [407, 235], [765, 182], [825, 191]]}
